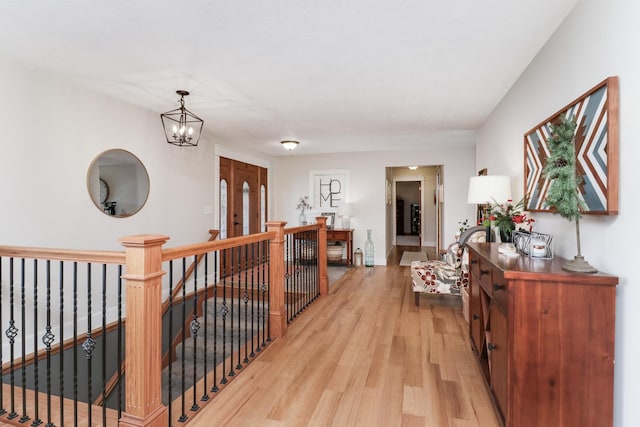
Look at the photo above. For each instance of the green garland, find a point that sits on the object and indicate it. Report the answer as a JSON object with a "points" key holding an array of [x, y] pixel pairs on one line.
{"points": [[561, 169]]}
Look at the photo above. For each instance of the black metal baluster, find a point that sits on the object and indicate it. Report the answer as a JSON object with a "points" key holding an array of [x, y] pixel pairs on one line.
{"points": [[263, 289], [240, 267], [61, 331], [224, 311], [75, 343], [48, 339], [289, 262], [295, 290], [195, 327], [267, 292], [261, 302], [104, 345], [246, 304], [2, 410], [215, 388], [23, 314], [205, 313], [317, 252], [183, 414], [170, 370], [234, 265], [120, 385], [254, 266], [12, 333], [88, 346], [36, 421]]}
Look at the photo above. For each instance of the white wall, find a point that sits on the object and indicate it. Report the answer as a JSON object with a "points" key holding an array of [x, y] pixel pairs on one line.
{"points": [[367, 178], [52, 131], [598, 39]]}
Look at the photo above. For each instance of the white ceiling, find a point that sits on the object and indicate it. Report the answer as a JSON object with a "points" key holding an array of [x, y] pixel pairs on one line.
{"points": [[336, 75]]}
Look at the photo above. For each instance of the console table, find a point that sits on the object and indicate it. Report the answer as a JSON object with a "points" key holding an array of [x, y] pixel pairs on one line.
{"points": [[343, 235], [544, 338]]}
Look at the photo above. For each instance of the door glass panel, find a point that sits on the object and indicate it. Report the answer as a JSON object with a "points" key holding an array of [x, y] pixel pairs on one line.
{"points": [[263, 208], [223, 209], [245, 208]]}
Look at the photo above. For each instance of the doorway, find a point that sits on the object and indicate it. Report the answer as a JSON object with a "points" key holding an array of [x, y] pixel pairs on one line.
{"points": [[408, 213], [415, 217]]}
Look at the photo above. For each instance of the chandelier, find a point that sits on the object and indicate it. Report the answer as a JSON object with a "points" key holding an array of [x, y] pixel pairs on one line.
{"points": [[181, 126]]}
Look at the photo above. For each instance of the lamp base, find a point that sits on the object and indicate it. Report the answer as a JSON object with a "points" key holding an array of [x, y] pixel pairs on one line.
{"points": [[579, 265]]}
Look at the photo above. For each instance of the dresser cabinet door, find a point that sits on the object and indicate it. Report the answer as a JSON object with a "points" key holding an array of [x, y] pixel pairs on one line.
{"points": [[498, 356], [476, 318]]}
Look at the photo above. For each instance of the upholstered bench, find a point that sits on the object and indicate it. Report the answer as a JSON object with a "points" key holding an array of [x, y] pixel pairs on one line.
{"points": [[449, 275]]}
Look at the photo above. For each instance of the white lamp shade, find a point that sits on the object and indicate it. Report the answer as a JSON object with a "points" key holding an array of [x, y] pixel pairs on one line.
{"points": [[489, 189]]}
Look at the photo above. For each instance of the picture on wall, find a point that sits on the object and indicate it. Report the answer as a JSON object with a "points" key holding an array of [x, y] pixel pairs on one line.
{"points": [[596, 145], [329, 189]]}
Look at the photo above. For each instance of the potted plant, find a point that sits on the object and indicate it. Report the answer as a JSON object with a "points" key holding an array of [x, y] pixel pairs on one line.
{"points": [[563, 196]]}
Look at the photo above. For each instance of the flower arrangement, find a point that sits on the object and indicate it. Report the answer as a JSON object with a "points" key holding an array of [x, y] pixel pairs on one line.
{"points": [[303, 204], [507, 217]]}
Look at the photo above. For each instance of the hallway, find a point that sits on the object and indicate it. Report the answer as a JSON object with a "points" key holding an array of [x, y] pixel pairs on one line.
{"points": [[363, 355]]}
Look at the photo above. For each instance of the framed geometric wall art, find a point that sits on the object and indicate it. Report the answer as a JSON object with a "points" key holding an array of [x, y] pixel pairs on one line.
{"points": [[597, 152]]}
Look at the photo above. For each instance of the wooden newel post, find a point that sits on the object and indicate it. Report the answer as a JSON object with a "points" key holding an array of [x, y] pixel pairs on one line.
{"points": [[277, 314], [322, 255], [144, 332]]}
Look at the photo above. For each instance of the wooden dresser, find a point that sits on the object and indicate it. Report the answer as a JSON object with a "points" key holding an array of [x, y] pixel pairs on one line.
{"points": [[544, 338]]}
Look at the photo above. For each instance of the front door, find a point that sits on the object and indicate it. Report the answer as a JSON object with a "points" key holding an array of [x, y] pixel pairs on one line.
{"points": [[242, 200]]}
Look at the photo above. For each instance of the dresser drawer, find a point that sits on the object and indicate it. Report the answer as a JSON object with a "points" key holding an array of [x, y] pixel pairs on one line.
{"points": [[485, 272], [500, 289], [474, 264]]}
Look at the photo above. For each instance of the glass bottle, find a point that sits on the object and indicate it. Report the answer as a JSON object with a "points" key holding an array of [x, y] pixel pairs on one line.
{"points": [[302, 219], [368, 251]]}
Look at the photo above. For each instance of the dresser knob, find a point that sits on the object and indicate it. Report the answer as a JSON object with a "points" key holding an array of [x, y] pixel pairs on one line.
{"points": [[497, 287], [491, 347], [484, 272], [474, 261], [476, 317]]}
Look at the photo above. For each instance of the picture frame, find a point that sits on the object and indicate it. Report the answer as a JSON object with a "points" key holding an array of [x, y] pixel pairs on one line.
{"points": [[387, 192], [597, 151], [533, 244], [331, 219], [328, 189], [481, 209]]}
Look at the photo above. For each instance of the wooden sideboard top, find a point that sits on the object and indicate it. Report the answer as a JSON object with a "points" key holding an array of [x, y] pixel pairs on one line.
{"points": [[527, 268]]}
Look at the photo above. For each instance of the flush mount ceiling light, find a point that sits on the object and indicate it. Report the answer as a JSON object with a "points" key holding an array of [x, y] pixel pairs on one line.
{"points": [[413, 168], [181, 126], [289, 145]]}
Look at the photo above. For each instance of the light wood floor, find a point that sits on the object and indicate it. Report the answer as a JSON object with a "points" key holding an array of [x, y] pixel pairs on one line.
{"points": [[363, 356]]}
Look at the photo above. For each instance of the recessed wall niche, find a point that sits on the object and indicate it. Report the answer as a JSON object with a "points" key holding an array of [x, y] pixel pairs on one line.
{"points": [[118, 183]]}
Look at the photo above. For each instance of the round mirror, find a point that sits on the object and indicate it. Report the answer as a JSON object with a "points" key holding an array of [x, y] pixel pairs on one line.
{"points": [[118, 183]]}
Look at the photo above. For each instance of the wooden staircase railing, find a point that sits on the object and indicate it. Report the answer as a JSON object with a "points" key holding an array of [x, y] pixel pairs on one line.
{"points": [[143, 272]]}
